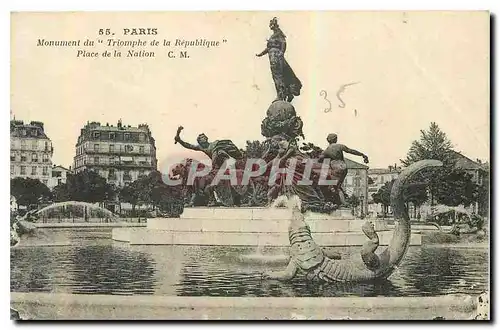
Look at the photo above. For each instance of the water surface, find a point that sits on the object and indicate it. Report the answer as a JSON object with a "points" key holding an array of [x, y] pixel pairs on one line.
{"points": [[93, 264]]}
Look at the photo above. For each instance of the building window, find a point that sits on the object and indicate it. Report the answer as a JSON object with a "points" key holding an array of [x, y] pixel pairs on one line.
{"points": [[59, 181], [45, 170], [127, 136], [12, 157], [11, 169], [23, 170], [111, 174], [96, 147], [141, 137], [33, 170], [141, 149], [23, 144], [112, 136], [96, 160], [34, 145], [56, 174], [46, 145], [23, 158], [127, 176], [111, 148], [23, 132], [45, 158], [34, 157], [96, 135]]}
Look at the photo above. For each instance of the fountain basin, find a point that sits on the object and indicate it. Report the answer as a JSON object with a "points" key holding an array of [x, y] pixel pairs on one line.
{"points": [[247, 226], [145, 236]]}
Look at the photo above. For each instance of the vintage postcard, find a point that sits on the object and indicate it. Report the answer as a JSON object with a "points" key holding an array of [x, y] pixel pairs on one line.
{"points": [[308, 165]]}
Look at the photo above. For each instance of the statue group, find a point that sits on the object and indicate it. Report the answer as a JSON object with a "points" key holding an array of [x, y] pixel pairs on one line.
{"points": [[282, 128]]}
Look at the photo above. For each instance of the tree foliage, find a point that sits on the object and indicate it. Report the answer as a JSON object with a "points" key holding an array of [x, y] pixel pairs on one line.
{"points": [[416, 193], [433, 144], [152, 190], [449, 185], [61, 193], [86, 186], [383, 195], [89, 186], [29, 191]]}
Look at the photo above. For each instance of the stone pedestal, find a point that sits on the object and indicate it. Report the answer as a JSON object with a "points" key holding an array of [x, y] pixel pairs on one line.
{"points": [[250, 227]]}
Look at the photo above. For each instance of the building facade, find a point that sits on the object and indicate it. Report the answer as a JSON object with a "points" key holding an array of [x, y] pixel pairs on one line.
{"points": [[58, 175], [121, 154], [356, 183], [377, 177], [30, 151]]}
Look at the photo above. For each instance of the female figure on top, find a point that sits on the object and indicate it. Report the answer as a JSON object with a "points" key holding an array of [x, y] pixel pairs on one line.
{"points": [[287, 84]]}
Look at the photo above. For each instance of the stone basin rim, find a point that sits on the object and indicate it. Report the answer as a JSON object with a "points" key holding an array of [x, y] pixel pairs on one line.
{"points": [[462, 302]]}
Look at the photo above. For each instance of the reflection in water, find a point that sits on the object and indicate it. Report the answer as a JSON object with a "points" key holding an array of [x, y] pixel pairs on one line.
{"points": [[96, 269], [109, 270], [33, 273], [443, 270], [99, 267]]}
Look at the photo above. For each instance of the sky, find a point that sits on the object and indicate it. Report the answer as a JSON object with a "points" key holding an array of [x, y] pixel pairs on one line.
{"points": [[413, 68]]}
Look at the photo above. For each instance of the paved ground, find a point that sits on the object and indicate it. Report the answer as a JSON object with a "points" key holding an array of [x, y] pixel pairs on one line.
{"points": [[43, 306]]}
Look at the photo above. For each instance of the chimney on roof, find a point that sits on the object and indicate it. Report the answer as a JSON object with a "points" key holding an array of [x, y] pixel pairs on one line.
{"points": [[119, 125], [390, 168]]}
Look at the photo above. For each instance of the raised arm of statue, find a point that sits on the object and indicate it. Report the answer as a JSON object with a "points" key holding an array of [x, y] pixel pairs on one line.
{"points": [[356, 153], [188, 145], [183, 143]]}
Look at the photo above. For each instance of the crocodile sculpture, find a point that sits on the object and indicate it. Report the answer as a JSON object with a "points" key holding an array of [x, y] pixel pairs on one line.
{"points": [[310, 260]]}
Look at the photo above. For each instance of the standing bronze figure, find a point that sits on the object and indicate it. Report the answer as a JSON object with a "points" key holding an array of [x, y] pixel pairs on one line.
{"points": [[287, 84]]}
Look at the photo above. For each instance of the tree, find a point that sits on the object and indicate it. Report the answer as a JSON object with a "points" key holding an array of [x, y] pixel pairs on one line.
{"points": [[130, 194], [483, 193], [354, 202], [456, 188], [383, 196], [450, 185], [433, 144], [152, 190], [29, 191], [89, 186], [61, 193], [416, 193]]}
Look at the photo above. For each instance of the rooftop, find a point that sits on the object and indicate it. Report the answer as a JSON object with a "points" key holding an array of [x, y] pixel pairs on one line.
{"points": [[60, 167], [465, 163], [34, 129], [119, 127], [354, 165]]}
